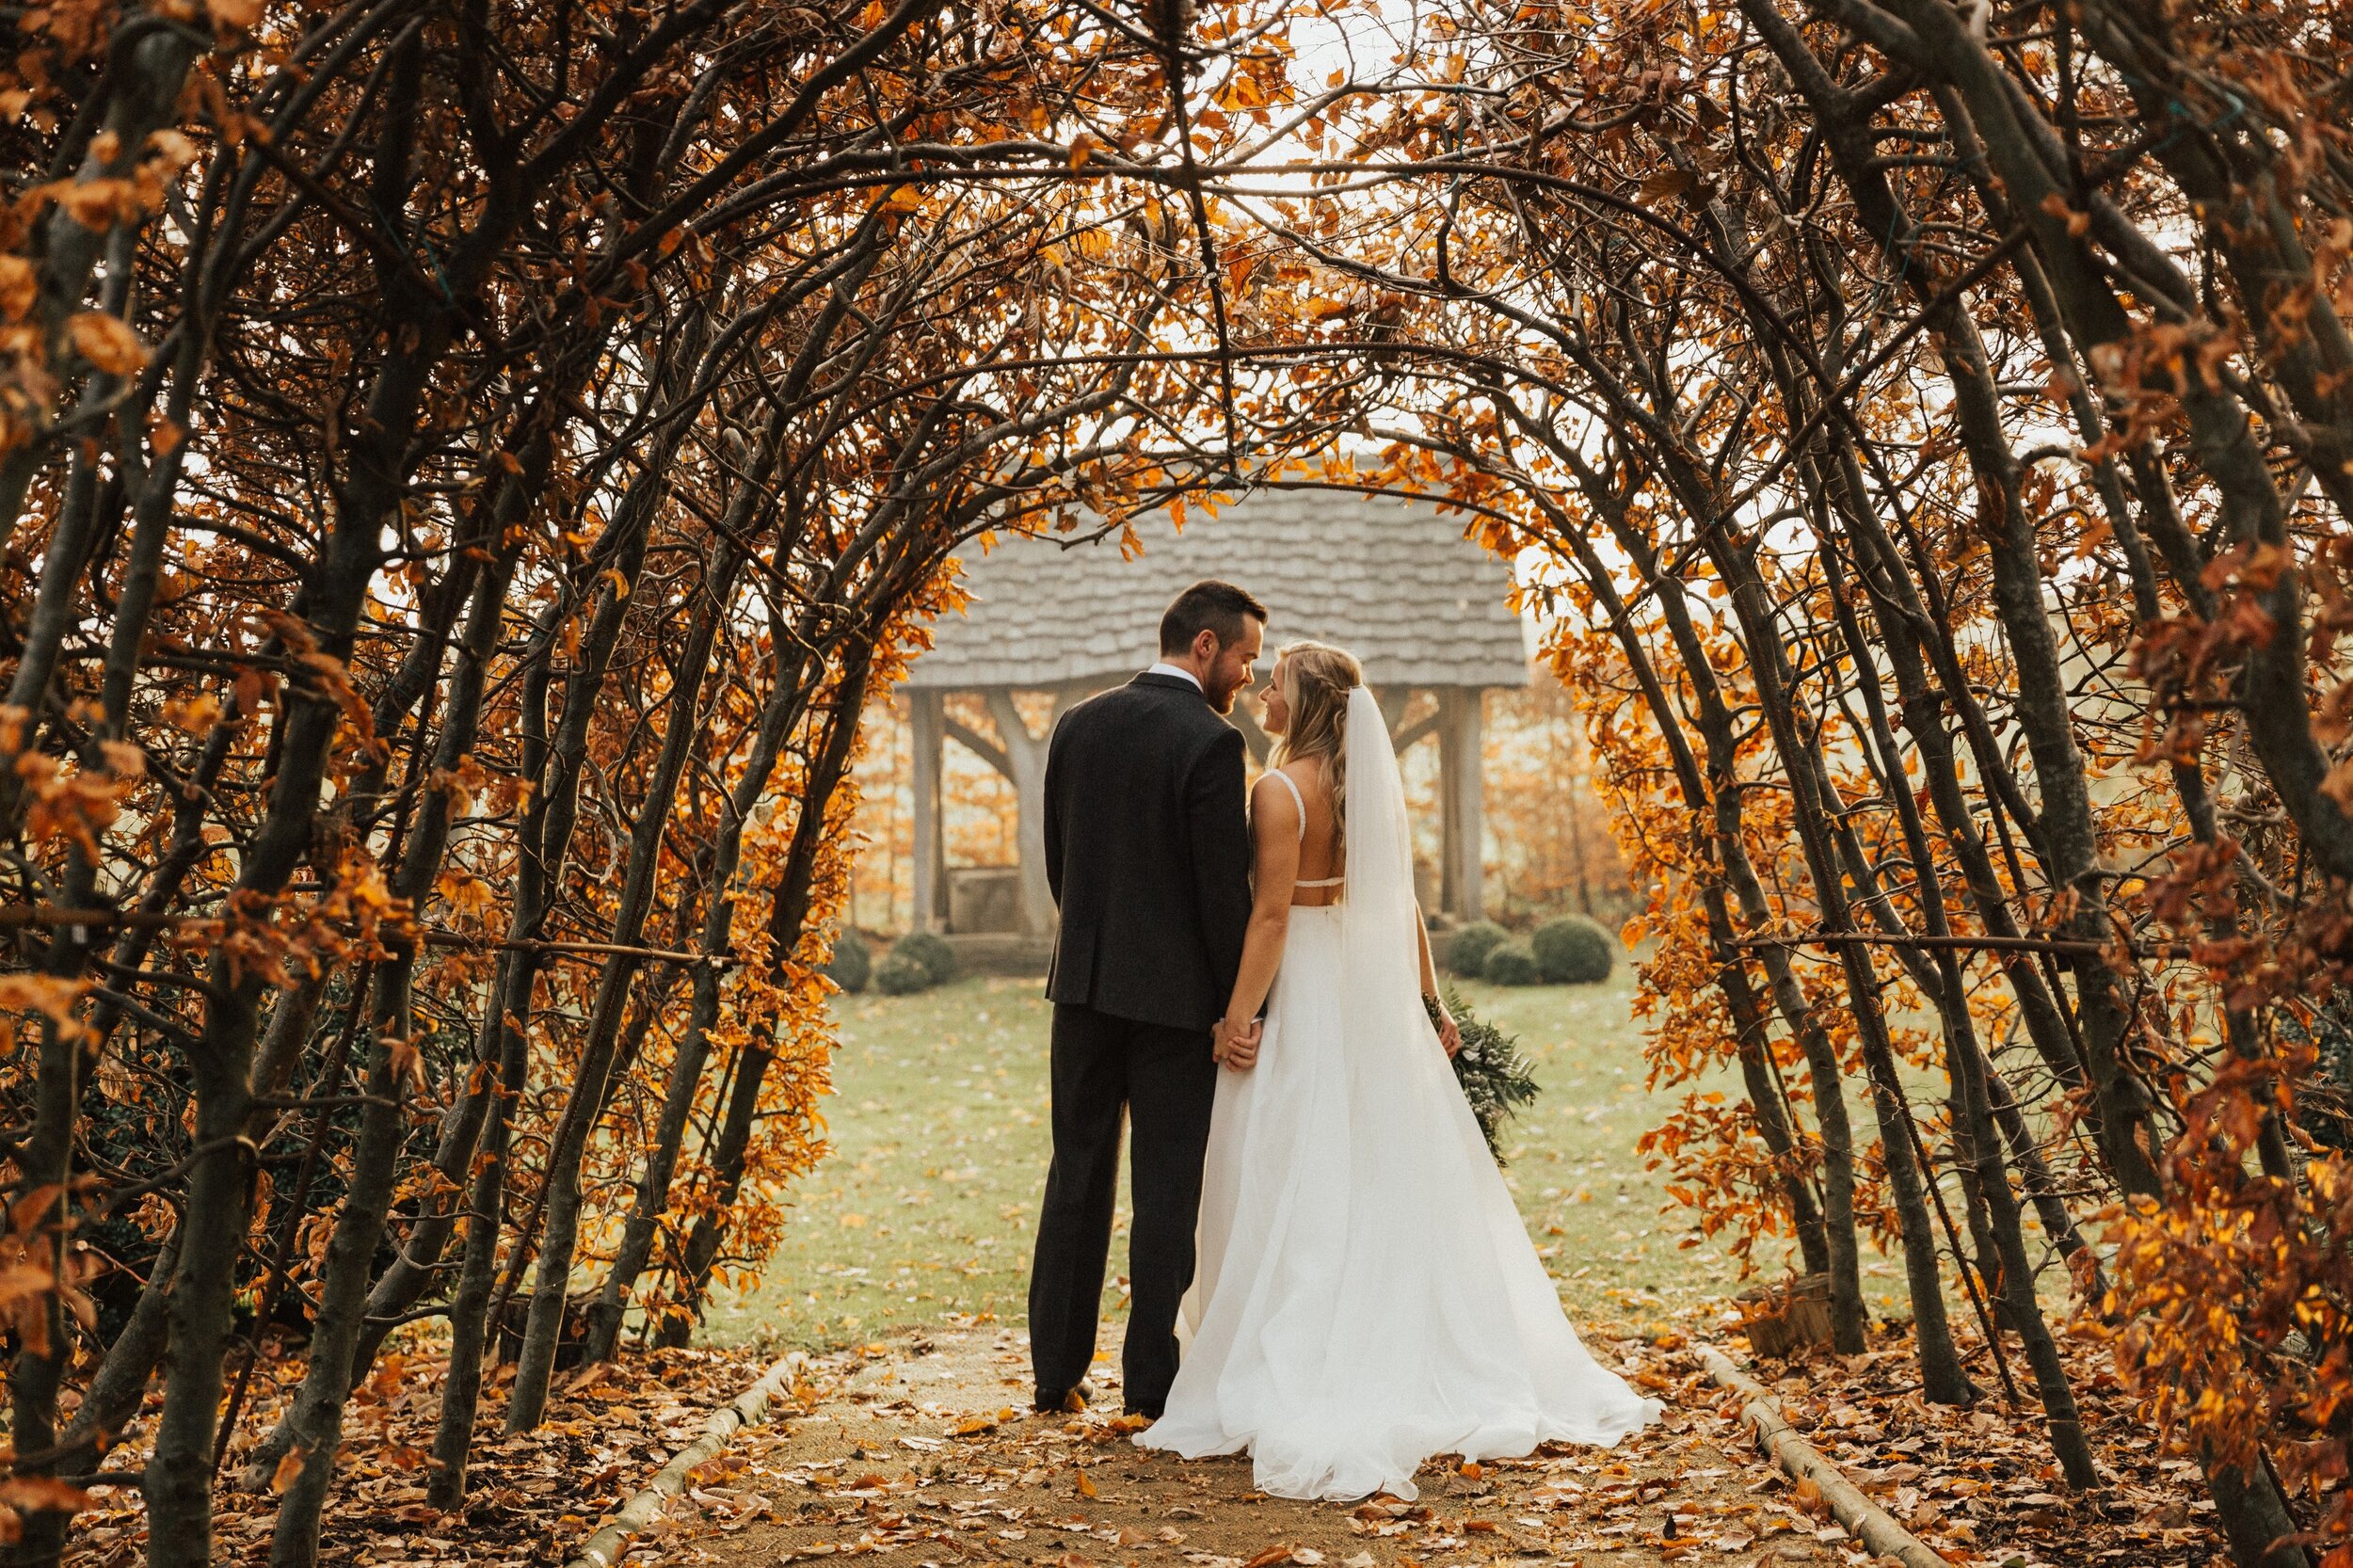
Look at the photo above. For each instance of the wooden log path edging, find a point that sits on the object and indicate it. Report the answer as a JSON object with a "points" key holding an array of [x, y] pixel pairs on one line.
{"points": [[1871, 1524], [749, 1409]]}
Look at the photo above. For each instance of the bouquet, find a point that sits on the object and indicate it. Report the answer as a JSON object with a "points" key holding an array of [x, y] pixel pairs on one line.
{"points": [[1496, 1077]]}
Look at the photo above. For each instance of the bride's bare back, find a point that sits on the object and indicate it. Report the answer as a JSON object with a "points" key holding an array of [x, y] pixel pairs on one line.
{"points": [[1316, 879]]}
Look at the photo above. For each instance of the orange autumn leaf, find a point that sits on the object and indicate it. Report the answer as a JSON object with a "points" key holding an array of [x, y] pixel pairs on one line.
{"points": [[19, 285], [107, 343], [42, 1494]]}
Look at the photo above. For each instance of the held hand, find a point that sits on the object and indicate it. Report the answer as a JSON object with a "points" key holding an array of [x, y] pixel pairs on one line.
{"points": [[1450, 1033], [1236, 1046]]}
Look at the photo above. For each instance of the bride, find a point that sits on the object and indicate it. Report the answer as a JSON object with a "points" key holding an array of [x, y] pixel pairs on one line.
{"points": [[1366, 1296]]}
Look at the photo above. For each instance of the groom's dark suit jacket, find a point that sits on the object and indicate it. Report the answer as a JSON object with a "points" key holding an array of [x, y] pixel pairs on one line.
{"points": [[1148, 849]]}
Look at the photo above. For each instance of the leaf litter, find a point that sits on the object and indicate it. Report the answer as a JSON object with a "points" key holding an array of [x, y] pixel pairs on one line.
{"points": [[1010, 1488], [531, 1499], [1980, 1484], [1013, 1489], [922, 1450]]}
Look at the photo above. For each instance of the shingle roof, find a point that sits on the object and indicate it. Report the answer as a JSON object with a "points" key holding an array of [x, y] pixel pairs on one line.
{"points": [[1394, 581]]}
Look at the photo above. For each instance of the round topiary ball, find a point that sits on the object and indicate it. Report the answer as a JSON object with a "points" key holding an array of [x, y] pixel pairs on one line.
{"points": [[1512, 964], [899, 975], [853, 962], [1572, 950], [933, 951], [1466, 951]]}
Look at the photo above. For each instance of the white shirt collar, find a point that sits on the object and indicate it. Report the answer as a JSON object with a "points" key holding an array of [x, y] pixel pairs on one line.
{"points": [[1164, 668]]}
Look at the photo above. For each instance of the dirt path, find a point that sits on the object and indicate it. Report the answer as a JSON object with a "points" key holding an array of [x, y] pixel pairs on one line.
{"points": [[922, 1450]]}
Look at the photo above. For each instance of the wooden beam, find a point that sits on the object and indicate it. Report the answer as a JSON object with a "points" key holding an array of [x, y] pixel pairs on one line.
{"points": [[1414, 733], [1394, 702], [978, 745]]}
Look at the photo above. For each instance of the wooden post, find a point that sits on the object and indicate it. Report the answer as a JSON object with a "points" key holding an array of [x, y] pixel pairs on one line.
{"points": [[1025, 765], [931, 848], [1261, 744], [1462, 834], [1468, 786]]}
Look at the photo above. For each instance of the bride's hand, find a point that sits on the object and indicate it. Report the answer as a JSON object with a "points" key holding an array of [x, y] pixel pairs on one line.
{"points": [[1235, 1046], [1450, 1033]]}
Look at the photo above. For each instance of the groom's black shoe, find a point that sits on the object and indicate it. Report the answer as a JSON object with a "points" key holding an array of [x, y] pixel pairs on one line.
{"points": [[1070, 1399]]}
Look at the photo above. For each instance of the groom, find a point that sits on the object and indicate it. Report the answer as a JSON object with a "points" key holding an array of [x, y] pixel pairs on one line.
{"points": [[1148, 849]]}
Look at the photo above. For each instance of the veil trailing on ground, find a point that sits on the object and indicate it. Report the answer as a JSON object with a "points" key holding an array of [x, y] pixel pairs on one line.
{"points": [[1380, 955]]}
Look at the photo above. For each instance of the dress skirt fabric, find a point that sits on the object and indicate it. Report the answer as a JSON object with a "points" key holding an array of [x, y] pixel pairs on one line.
{"points": [[1367, 1295]]}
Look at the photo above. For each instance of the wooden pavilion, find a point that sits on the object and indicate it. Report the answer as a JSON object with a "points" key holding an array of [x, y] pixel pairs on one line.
{"points": [[1394, 581]]}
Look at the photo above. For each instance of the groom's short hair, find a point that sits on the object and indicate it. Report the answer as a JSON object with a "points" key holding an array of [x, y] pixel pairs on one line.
{"points": [[1208, 605]]}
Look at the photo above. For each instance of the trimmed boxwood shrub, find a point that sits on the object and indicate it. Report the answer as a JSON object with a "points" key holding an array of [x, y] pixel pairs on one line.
{"points": [[899, 975], [1572, 951], [853, 962], [933, 951], [1512, 964], [1466, 951]]}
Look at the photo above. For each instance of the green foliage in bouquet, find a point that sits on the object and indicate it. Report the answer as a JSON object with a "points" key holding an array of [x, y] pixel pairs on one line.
{"points": [[1496, 1077]]}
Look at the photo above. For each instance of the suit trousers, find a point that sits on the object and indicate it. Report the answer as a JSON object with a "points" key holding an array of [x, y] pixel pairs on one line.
{"points": [[1166, 1082]]}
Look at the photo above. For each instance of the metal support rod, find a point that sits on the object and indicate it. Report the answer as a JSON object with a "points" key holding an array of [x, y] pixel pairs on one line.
{"points": [[1993, 944], [17, 916]]}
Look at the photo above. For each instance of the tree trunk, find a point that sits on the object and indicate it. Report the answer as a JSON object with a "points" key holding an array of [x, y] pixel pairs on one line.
{"points": [[42, 1210], [508, 1044], [584, 1100], [1825, 1235], [178, 1483], [785, 706], [316, 1420], [1944, 1381], [785, 920], [1968, 1070]]}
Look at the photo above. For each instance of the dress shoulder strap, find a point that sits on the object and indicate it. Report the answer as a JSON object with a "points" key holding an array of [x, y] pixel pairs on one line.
{"points": [[1297, 799], [1302, 802]]}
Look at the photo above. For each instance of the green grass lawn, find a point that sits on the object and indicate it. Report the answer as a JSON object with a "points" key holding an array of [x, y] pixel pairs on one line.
{"points": [[927, 1207]]}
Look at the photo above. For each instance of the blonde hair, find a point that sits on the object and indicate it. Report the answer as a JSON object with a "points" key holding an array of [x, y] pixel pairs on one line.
{"points": [[1316, 680]]}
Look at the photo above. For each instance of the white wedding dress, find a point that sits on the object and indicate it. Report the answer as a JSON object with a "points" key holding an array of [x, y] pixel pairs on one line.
{"points": [[1366, 1296]]}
